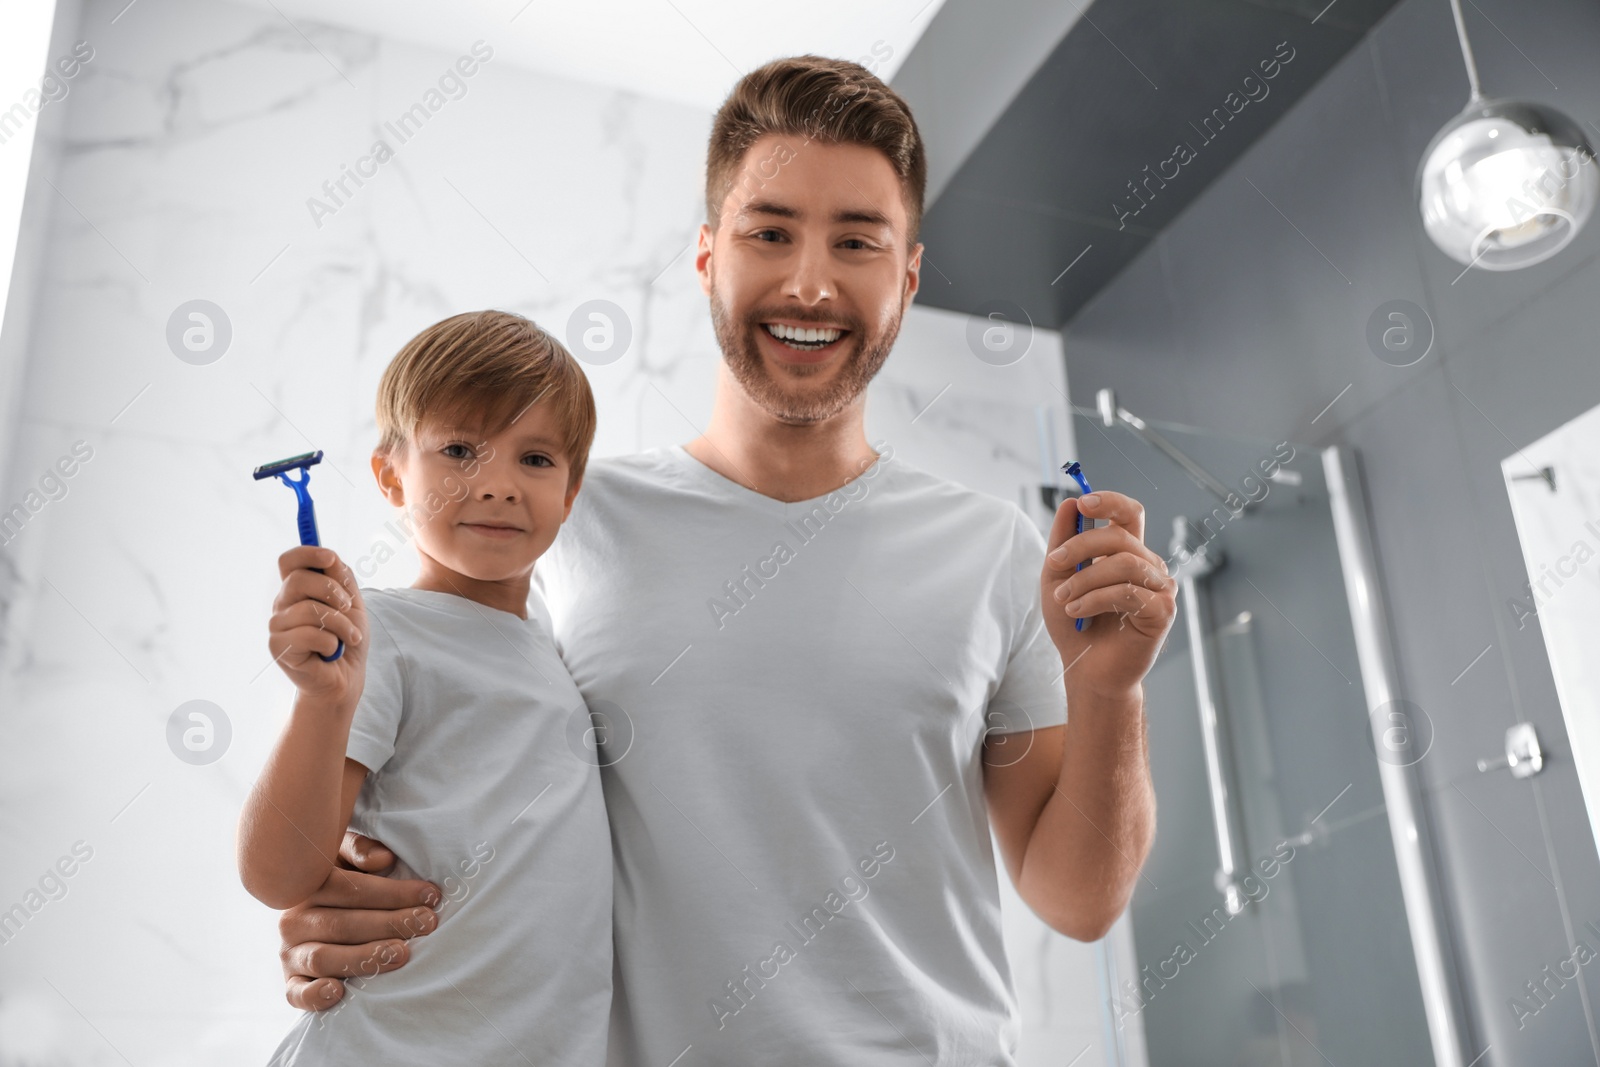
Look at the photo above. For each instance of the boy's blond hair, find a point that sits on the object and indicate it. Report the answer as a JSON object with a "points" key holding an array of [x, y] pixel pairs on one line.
{"points": [[481, 370]]}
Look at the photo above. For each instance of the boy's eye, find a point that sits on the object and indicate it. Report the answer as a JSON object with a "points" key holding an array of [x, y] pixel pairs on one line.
{"points": [[446, 450], [543, 459]]}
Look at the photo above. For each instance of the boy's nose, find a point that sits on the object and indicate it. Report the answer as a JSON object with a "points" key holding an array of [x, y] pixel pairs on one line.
{"points": [[493, 481]]}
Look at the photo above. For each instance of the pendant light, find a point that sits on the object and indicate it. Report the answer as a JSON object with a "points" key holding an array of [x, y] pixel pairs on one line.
{"points": [[1507, 183]]}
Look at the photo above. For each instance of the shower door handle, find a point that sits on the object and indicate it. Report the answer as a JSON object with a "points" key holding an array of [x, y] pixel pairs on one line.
{"points": [[1194, 567]]}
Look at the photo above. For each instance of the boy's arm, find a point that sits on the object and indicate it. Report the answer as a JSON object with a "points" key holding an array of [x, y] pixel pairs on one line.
{"points": [[295, 817]]}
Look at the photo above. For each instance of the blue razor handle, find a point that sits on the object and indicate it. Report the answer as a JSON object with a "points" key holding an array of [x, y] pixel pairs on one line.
{"points": [[1076, 471], [308, 512]]}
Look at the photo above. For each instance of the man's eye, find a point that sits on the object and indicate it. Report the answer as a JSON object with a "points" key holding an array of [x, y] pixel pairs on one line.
{"points": [[762, 234]]}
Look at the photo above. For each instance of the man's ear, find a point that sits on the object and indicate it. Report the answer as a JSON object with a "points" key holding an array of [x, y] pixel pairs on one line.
{"points": [[388, 480], [702, 258], [913, 277]]}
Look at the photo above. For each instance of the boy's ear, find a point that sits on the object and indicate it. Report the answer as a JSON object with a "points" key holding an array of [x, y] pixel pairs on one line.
{"points": [[388, 480], [572, 494]]}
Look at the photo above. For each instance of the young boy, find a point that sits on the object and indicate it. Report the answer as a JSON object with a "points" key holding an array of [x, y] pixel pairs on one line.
{"points": [[450, 730]]}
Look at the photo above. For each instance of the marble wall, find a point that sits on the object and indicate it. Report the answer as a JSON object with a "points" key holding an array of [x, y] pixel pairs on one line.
{"points": [[186, 168]]}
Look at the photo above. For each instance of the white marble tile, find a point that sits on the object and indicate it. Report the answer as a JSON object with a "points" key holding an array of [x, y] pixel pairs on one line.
{"points": [[952, 413]]}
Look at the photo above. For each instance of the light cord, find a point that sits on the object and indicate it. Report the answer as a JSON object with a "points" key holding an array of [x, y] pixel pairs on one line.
{"points": [[1466, 53]]}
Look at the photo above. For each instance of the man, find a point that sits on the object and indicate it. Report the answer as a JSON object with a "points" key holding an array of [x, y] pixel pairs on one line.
{"points": [[820, 674]]}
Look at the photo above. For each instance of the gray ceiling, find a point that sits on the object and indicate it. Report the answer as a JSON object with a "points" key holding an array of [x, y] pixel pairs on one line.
{"points": [[1047, 183]]}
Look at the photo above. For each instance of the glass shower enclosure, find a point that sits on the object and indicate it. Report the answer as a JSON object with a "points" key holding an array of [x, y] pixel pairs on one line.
{"points": [[1269, 925]]}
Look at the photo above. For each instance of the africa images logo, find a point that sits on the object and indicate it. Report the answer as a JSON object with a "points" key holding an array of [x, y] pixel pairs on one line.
{"points": [[1255, 89]]}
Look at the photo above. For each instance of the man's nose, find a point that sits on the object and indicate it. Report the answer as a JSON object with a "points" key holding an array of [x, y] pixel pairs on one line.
{"points": [[811, 276]]}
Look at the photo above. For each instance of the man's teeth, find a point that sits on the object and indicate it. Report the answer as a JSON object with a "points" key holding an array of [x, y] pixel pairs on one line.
{"points": [[797, 338]]}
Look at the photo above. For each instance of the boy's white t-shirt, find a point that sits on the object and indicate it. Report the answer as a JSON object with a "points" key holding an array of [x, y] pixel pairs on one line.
{"points": [[481, 782], [793, 700]]}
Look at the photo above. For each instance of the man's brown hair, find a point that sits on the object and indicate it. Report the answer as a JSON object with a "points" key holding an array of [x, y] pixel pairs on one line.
{"points": [[831, 101], [480, 371]]}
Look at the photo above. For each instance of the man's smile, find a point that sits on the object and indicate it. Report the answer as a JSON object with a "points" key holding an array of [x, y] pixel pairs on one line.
{"points": [[808, 344]]}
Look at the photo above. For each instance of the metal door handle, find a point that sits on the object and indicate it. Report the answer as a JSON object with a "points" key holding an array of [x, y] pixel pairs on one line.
{"points": [[1523, 754]]}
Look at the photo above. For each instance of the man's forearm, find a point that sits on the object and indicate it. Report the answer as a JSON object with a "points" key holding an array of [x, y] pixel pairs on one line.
{"points": [[1093, 834]]}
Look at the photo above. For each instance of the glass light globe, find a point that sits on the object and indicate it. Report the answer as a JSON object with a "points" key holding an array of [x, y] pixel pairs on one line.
{"points": [[1506, 184]]}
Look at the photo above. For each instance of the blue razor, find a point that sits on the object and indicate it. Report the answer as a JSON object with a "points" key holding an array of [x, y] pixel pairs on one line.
{"points": [[308, 513], [1076, 471]]}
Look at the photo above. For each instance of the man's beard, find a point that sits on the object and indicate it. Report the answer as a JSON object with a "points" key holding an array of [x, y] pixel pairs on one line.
{"points": [[741, 352]]}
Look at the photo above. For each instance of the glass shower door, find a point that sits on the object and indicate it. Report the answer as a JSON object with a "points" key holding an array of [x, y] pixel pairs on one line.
{"points": [[1303, 956]]}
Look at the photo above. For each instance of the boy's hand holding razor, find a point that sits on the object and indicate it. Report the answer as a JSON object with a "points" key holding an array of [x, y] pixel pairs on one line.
{"points": [[312, 613]]}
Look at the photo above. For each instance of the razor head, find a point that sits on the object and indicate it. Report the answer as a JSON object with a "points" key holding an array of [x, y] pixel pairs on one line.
{"points": [[269, 470], [1075, 470]]}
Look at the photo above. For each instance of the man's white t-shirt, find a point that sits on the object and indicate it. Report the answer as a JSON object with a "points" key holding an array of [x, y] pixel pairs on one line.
{"points": [[481, 782], [792, 701]]}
